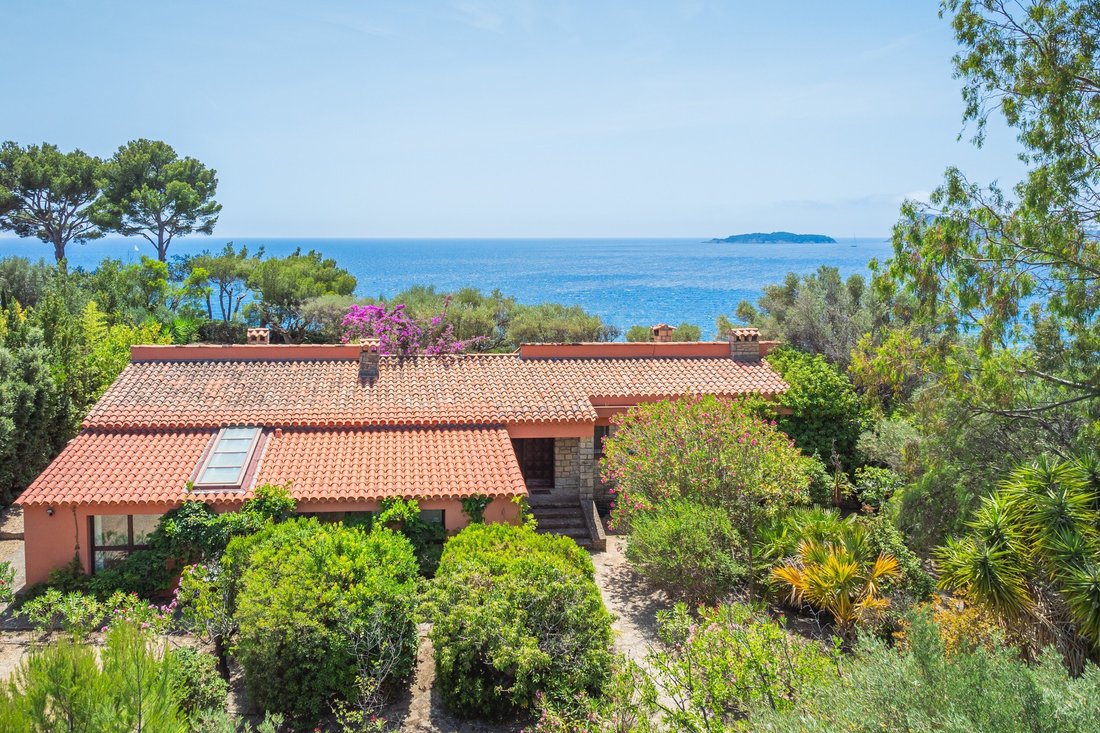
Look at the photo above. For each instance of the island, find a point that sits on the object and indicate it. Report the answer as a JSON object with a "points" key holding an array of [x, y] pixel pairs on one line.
{"points": [[774, 238]]}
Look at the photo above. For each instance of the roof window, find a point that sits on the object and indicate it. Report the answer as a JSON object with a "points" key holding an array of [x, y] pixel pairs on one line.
{"points": [[227, 462]]}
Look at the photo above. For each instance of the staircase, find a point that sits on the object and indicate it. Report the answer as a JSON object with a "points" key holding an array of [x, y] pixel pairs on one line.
{"points": [[563, 517]]}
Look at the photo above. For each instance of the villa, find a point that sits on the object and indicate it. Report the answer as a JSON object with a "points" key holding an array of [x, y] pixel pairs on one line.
{"points": [[347, 427]]}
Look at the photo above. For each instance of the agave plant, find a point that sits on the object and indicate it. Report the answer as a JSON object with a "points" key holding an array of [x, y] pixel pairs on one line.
{"points": [[842, 576], [1032, 552]]}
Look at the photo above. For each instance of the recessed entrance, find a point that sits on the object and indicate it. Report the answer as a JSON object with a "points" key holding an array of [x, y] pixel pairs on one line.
{"points": [[536, 462]]}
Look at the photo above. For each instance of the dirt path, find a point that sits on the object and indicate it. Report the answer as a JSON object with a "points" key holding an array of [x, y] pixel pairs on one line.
{"points": [[629, 598]]}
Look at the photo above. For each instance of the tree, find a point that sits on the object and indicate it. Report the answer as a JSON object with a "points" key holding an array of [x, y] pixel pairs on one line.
{"points": [[224, 275], [48, 194], [150, 191], [1016, 271], [711, 450], [282, 285], [1032, 554], [817, 313]]}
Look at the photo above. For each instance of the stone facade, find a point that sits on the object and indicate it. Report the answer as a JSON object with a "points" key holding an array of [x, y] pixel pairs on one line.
{"points": [[574, 468]]}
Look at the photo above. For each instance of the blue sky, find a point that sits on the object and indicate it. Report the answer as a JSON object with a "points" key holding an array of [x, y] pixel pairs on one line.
{"points": [[478, 118]]}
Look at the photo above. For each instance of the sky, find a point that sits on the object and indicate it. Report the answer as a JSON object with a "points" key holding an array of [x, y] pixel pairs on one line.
{"points": [[512, 118]]}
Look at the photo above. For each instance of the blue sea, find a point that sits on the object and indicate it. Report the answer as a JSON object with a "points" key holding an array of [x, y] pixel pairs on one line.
{"points": [[625, 281]]}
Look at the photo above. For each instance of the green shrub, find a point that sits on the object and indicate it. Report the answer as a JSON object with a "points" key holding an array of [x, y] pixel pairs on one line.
{"points": [[922, 689], [7, 582], [874, 486], [886, 539], [826, 415], [516, 613], [196, 680], [686, 549], [80, 613], [60, 687], [426, 537], [319, 607]]}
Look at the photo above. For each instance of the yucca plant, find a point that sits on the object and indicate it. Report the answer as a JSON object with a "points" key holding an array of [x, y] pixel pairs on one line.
{"points": [[1032, 553], [841, 576]]}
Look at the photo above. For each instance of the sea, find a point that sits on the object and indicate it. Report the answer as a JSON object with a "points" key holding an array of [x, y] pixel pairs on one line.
{"points": [[626, 281]]}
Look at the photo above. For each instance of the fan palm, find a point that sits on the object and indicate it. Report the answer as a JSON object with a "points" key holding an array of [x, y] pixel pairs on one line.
{"points": [[841, 576]]}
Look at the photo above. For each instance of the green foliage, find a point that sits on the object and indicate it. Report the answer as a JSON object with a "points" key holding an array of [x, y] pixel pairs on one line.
{"points": [[474, 508], [196, 681], [683, 332], [7, 582], [687, 549], [150, 191], [515, 614], [884, 538], [891, 443], [219, 721], [426, 537], [826, 416], [1032, 554], [874, 486], [60, 687], [80, 613], [282, 286], [817, 313], [711, 670], [922, 689], [319, 609], [714, 451], [48, 194]]}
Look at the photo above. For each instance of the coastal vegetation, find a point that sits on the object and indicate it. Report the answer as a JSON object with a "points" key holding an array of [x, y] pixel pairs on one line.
{"points": [[907, 539]]}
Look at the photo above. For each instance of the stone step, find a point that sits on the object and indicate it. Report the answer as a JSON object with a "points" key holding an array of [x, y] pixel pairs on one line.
{"points": [[573, 520]]}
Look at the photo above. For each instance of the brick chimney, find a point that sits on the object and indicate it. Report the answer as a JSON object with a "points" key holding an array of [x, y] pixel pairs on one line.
{"points": [[744, 344], [259, 335], [662, 333], [369, 358]]}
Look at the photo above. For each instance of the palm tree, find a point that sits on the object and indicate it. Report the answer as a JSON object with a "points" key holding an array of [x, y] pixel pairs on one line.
{"points": [[1032, 554], [841, 576]]}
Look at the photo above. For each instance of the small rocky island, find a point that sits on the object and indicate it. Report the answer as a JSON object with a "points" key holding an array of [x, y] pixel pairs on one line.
{"points": [[774, 238]]}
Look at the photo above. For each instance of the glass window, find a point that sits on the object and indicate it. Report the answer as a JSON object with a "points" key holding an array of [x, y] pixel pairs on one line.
{"points": [[114, 536], [603, 432], [432, 516], [226, 464], [111, 531]]}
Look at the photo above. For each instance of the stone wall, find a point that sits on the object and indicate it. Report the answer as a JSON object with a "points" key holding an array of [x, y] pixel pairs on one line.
{"points": [[574, 469]]}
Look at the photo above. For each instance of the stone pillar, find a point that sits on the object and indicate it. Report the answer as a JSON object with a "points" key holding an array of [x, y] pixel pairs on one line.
{"points": [[565, 466], [586, 467]]}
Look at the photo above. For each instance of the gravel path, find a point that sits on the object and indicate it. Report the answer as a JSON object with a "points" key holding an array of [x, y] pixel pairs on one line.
{"points": [[627, 596]]}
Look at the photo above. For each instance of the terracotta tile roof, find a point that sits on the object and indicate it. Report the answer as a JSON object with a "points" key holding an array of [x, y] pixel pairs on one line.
{"points": [[470, 389], [154, 466]]}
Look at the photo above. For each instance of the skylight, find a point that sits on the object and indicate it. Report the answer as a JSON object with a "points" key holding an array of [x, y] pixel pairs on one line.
{"points": [[226, 464]]}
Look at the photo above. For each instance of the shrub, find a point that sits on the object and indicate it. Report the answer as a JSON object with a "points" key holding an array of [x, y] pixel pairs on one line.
{"points": [[826, 416], [426, 537], [686, 549], [922, 689], [196, 680], [516, 613], [719, 452], [80, 613], [711, 670], [7, 582], [320, 607], [890, 442], [875, 486], [60, 687]]}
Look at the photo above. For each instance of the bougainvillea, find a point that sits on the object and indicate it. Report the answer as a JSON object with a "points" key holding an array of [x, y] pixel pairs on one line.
{"points": [[714, 451], [399, 333]]}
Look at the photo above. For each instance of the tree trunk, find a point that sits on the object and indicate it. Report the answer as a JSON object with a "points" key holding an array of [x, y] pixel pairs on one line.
{"points": [[162, 247], [223, 660], [59, 253]]}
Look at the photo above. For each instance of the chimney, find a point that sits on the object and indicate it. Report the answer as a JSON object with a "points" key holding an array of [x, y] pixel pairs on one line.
{"points": [[662, 332], [744, 344], [369, 357], [259, 335]]}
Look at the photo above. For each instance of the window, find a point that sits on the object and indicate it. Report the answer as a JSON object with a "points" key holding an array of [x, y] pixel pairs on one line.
{"points": [[226, 464], [603, 432], [432, 516], [114, 536]]}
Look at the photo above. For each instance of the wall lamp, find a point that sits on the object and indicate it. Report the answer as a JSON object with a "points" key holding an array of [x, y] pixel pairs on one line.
{"points": [[49, 511]]}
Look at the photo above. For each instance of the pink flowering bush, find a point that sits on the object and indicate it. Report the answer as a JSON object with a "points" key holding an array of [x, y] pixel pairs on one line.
{"points": [[401, 334], [717, 452]]}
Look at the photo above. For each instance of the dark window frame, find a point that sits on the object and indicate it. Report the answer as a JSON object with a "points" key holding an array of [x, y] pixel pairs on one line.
{"points": [[600, 434], [129, 548]]}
